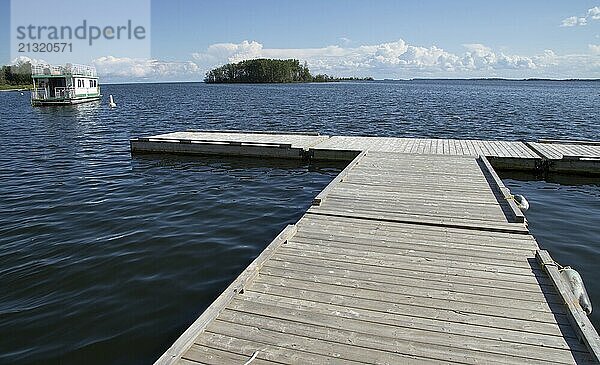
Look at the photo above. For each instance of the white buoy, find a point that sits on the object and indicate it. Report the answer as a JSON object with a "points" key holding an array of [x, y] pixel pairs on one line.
{"points": [[522, 203], [575, 282], [111, 102], [22, 93]]}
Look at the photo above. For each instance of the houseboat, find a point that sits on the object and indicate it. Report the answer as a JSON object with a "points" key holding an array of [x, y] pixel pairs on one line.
{"points": [[64, 85]]}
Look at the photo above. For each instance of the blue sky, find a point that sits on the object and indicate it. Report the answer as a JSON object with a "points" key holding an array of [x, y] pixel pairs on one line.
{"points": [[521, 26], [384, 38]]}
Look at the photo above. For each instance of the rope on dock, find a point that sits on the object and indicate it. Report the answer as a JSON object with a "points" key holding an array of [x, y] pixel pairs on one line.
{"points": [[252, 358]]}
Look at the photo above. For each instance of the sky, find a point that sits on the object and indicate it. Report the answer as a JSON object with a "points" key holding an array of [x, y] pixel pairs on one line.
{"points": [[382, 39]]}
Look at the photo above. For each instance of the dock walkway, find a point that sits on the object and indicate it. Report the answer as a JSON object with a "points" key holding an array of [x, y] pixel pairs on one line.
{"points": [[403, 258], [580, 157]]}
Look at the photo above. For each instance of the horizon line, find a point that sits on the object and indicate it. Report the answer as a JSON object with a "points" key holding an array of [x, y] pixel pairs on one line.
{"points": [[367, 81]]}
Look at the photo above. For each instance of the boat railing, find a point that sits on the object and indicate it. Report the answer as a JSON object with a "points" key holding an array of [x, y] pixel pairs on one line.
{"points": [[67, 69], [46, 70], [39, 94], [64, 92], [59, 93]]}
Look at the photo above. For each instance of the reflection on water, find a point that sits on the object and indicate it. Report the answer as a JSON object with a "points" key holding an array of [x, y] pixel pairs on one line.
{"points": [[82, 112]]}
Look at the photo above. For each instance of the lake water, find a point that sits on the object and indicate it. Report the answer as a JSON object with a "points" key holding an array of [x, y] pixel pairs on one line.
{"points": [[107, 258]]}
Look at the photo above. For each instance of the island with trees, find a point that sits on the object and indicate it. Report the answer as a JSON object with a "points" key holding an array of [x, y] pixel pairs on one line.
{"points": [[16, 77], [266, 70]]}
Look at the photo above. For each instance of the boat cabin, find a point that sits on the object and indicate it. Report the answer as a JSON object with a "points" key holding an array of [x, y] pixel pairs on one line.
{"points": [[64, 85]]}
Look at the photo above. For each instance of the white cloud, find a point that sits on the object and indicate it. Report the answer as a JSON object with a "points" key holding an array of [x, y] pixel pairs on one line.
{"points": [[573, 21], [112, 68], [115, 68], [391, 58], [397, 59], [33, 61], [591, 14], [594, 13], [400, 59]]}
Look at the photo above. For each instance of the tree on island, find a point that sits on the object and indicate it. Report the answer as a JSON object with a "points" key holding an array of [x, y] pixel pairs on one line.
{"points": [[265, 70], [16, 75]]}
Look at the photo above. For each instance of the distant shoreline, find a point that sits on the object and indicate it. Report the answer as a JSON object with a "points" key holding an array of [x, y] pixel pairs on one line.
{"points": [[336, 82], [15, 87], [492, 79]]}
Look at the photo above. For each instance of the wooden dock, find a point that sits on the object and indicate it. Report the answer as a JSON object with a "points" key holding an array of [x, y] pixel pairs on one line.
{"points": [[568, 156], [405, 257], [545, 156]]}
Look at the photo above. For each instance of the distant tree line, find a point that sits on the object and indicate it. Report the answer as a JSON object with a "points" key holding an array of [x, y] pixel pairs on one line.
{"points": [[327, 78], [16, 75], [267, 71]]}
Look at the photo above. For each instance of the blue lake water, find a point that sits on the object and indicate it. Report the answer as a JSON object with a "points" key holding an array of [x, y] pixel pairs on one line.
{"points": [[107, 258]]}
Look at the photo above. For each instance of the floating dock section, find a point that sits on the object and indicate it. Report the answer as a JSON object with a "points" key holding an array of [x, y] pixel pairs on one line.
{"points": [[411, 255], [568, 156], [545, 156]]}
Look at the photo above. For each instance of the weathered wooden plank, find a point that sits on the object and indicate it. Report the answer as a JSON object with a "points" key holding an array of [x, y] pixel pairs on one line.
{"points": [[302, 271], [467, 269], [423, 219], [268, 351], [403, 335], [407, 159], [426, 235], [436, 202], [397, 185], [410, 201], [434, 208], [198, 354], [310, 344], [400, 230], [377, 288], [419, 191], [328, 224], [416, 189], [481, 315], [421, 243], [458, 192], [455, 255], [386, 311], [418, 172], [430, 330], [299, 139], [419, 272]]}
